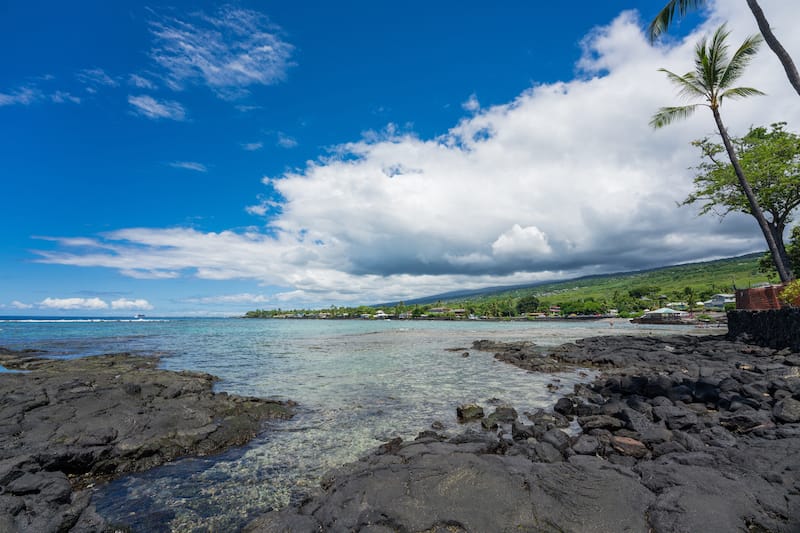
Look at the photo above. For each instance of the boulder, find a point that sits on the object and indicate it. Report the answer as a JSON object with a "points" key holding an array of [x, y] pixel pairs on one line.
{"points": [[787, 410], [468, 412]]}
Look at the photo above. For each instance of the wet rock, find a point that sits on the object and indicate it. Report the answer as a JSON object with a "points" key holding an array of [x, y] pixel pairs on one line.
{"points": [[565, 406], [84, 420], [586, 445], [468, 412], [523, 432], [557, 438], [504, 414], [787, 410], [630, 447], [610, 423], [675, 417], [744, 419], [544, 452]]}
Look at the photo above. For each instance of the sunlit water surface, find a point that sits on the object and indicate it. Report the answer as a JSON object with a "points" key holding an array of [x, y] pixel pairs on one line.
{"points": [[358, 384]]}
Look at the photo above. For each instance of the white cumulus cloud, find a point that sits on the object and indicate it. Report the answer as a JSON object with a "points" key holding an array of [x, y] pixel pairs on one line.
{"points": [[525, 242], [138, 304], [90, 304], [472, 103]]}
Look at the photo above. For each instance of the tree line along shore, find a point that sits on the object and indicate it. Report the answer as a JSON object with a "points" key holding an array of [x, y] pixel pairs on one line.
{"points": [[687, 287]]}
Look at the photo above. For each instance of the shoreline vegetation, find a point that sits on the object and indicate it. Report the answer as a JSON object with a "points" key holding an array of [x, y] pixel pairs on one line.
{"points": [[700, 289]]}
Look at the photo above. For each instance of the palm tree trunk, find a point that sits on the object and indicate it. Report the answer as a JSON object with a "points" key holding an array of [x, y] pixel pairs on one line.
{"points": [[751, 198], [777, 234], [775, 45]]}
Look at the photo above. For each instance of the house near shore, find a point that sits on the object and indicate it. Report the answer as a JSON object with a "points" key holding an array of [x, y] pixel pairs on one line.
{"points": [[664, 314], [718, 301]]}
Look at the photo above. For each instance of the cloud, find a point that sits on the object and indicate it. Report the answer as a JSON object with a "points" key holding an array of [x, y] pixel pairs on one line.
{"points": [[284, 141], [228, 51], [567, 179], [472, 104], [524, 242], [140, 273], [189, 165], [246, 108], [92, 304], [149, 107], [24, 95], [243, 298], [96, 77], [252, 147], [21, 305], [30, 94], [141, 82], [60, 97], [138, 304]]}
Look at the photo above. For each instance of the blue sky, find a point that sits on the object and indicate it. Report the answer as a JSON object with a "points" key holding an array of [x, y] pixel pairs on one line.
{"points": [[208, 158]]}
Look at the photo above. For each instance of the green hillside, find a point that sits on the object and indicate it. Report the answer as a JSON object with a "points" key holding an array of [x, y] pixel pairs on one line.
{"points": [[630, 291]]}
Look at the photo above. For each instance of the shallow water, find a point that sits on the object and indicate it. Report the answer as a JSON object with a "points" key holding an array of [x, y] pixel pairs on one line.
{"points": [[358, 384]]}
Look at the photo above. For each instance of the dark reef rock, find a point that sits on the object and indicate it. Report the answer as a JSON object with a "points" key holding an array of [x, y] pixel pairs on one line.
{"points": [[65, 424], [468, 412], [680, 433]]}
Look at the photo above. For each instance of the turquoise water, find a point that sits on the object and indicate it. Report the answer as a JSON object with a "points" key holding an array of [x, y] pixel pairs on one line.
{"points": [[358, 384]]}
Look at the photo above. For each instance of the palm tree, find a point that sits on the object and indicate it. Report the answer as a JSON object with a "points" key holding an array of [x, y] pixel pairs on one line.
{"points": [[712, 81], [662, 21]]}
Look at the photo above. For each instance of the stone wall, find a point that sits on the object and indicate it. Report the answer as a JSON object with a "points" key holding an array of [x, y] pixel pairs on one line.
{"points": [[759, 299], [776, 328]]}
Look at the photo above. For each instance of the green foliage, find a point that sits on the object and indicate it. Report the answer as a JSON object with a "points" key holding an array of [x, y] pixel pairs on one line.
{"points": [[771, 161], [614, 291], [527, 304], [791, 293], [645, 290], [661, 23], [715, 71]]}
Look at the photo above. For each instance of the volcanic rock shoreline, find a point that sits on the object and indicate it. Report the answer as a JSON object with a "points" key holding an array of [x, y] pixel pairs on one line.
{"points": [[677, 434], [66, 424]]}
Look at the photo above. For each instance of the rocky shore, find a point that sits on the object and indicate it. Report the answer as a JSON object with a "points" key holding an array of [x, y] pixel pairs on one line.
{"points": [[66, 424], [678, 433]]}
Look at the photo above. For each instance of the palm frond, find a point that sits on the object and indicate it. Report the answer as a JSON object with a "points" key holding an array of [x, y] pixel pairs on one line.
{"points": [[668, 115], [688, 83], [740, 92], [661, 23], [740, 59], [715, 55]]}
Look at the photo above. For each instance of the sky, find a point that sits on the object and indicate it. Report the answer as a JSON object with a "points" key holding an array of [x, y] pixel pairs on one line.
{"points": [[205, 158]]}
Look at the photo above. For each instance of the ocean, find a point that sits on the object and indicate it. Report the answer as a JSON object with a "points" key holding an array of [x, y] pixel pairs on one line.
{"points": [[358, 383]]}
